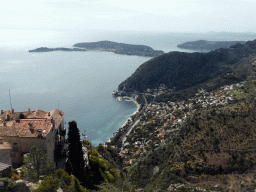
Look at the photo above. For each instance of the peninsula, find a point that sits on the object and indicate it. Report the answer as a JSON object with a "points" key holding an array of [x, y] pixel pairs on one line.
{"points": [[120, 48], [203, 45], [46, 49]]}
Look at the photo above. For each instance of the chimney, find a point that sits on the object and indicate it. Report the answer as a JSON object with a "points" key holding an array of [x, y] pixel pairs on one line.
{"points": [[8, 118], [2, 111], [12, 110], [28, 109], [49, 114]]}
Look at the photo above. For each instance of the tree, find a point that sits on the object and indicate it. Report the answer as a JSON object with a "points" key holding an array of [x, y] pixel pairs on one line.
{"points": [[75, 154], [101, 149], [37, 163], [48, 184]]}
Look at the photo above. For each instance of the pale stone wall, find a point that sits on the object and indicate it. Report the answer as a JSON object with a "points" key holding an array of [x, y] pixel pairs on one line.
{"points": [[5, 156], [50, 144], [24, 144]]}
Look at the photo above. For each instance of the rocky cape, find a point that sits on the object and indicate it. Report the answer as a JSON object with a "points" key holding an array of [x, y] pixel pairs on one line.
{"points": [[120, 48], [46, 49], [203, 45]]}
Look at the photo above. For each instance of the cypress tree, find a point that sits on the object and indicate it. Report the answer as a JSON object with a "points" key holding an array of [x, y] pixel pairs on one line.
{"points": [[75, 155]]}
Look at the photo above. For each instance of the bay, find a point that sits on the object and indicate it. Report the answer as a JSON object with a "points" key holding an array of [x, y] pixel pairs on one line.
{"points": [[78, 83]]}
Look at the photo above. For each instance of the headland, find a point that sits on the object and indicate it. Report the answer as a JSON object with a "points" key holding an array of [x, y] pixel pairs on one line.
{"points": [[120, 48], [46, 49]]}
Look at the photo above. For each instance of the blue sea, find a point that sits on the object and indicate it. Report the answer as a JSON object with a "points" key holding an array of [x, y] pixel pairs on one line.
{"points": [[79, 83]]}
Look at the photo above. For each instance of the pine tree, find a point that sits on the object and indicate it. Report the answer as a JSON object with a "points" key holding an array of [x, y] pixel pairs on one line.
{"points": [[37, 163], [75, 155]]}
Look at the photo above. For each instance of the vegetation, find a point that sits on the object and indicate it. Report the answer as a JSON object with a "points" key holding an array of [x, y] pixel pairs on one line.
{"points": [[37, 163], [9, 185], [101, 168], [60, 179], [187, 70], [209, 45], [217, 141], [76, 162], [120, 48]]}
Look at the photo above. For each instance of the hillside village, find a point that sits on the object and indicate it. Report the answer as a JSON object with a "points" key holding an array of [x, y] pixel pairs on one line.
{"points": [[157, 122]]}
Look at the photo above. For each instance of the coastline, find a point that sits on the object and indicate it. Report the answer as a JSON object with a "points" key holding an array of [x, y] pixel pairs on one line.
{"points": [[127, 121]]}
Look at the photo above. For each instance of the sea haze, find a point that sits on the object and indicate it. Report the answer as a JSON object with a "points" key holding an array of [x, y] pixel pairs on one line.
{"points": [[78, 83]]}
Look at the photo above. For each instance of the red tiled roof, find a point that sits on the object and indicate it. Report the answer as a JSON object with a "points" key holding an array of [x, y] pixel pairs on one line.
{"points": [[4, 166], [27, 128], [36, 122]]}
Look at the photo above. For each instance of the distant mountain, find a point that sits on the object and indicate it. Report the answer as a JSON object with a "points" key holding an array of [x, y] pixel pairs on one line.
{"points": [[46, 49], [185, 70], [120, 48], [203, 45]]}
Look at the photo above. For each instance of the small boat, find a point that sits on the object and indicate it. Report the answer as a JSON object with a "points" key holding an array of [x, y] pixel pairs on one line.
{"points": [[119, 99]]}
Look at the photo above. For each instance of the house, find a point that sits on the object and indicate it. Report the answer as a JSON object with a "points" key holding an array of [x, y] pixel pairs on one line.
{"points": [[23, 130]]}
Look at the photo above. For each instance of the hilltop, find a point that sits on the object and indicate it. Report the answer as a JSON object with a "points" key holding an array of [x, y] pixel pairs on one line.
{"points": [[120, 48], [203, 45], [180, 71]]}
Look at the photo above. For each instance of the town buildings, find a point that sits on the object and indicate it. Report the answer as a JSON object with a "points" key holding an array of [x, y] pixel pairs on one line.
{"points": [[20, 131]]}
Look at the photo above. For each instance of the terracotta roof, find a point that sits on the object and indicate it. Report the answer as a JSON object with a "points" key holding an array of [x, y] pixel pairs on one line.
{"points": [[37, 122], [27, 128], [5, 145]]}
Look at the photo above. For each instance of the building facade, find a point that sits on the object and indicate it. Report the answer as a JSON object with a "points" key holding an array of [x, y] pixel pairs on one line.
{"points": [[23, 130]]}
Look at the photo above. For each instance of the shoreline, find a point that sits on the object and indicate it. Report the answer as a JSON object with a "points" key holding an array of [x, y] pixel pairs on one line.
{"points": [[126, 122]]}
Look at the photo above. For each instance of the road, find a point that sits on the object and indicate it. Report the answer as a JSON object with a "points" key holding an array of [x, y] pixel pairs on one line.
{"points": [[130, 129]]}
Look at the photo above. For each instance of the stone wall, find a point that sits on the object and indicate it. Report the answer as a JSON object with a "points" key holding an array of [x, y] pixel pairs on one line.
{"points": [[21, 145], [50, 144], [5, 156]]}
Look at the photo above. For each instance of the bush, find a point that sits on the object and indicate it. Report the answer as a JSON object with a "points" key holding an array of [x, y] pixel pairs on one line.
{"points": [[9, 185], [48, 184]]}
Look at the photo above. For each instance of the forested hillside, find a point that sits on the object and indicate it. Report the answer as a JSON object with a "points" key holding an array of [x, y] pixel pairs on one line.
{"points": [[213, 142], [185, 70], [208, 45]]}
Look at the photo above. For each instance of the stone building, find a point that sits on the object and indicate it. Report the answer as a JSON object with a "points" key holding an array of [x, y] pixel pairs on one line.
{"points": [[23, 130], [5, 152]]}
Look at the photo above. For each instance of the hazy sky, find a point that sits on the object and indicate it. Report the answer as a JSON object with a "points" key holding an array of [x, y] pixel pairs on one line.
{"points": [[132, 15]]}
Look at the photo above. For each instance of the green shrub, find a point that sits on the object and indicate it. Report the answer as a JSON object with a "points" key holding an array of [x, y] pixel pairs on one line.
{"points": [[9, 185]]}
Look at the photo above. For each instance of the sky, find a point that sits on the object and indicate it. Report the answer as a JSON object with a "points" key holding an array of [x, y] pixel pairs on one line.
{"points": [[130, 15]]}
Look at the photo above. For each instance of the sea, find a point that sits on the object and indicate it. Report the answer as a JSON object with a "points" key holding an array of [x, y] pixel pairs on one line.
{"points": [[80, 83]]}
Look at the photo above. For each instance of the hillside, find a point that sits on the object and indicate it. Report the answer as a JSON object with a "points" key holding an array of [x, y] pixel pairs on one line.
{"points": [[185, 70], [213, 144], [120, 48], [203, 45]]}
